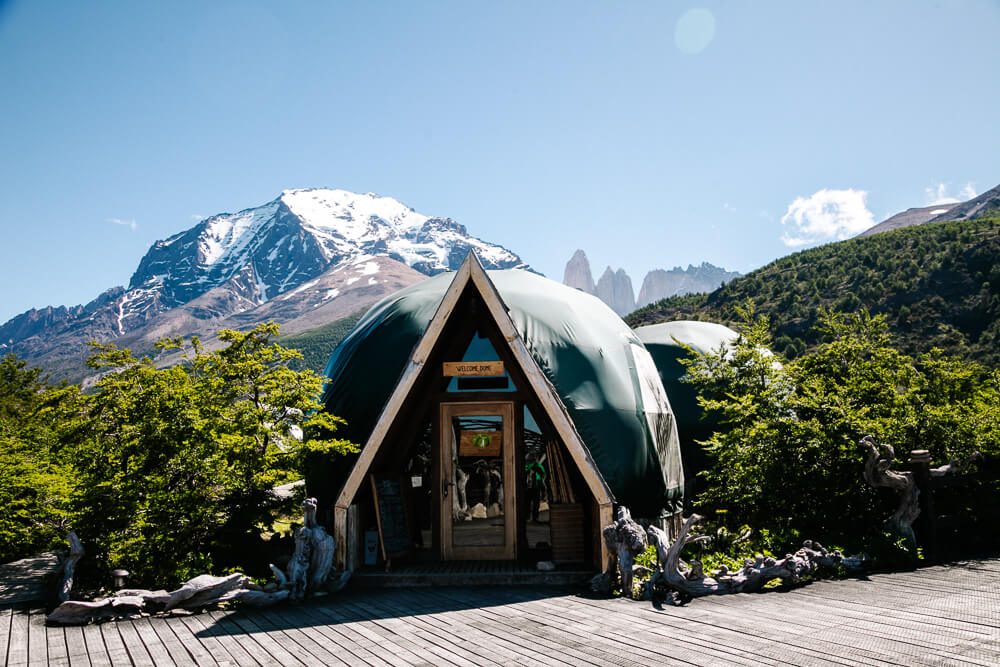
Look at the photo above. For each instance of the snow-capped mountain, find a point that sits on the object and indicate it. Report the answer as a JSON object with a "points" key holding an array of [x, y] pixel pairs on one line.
{"points": [[274, 254], [276, 247]]}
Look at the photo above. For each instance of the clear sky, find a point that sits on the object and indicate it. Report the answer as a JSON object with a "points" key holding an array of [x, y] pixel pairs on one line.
{"points": [[650, 134]]}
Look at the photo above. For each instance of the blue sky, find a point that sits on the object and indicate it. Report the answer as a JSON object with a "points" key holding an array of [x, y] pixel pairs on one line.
{"points": [[650, 134]]}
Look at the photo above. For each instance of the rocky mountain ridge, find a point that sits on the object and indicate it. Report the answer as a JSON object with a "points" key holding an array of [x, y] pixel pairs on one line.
{"points": [[975, 208], [615, 287], [334, 250]]}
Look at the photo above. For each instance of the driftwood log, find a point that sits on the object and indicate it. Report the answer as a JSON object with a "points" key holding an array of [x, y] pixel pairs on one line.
{"points": [[308, 572], [310, 565], [69, 566], [625, 540], [955, 467], [877, 473], [674, 575]]}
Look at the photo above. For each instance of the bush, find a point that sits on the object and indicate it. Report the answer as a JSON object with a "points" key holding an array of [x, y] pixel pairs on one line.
{"points": [[177, 465], [787, 455], [36, 482]]}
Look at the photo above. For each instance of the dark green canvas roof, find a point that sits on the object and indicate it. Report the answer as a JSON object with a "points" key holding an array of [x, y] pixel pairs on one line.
{"points": [[600, 369], [665, 343]]}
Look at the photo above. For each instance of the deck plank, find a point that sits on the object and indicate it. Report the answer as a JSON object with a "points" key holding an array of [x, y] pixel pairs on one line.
{"points": [[96, 650], [115, 644], [17, 649], [55, 643], [134, 645], [158, 651], [38, 642], [76, 647], [6, 616]]}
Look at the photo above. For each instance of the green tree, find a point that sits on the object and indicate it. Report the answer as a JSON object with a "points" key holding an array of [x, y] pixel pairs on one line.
{"points": [[36, 482], [178, 468], [787, 457]]}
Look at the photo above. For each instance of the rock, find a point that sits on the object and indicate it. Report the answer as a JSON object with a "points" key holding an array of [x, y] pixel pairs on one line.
{"points": [[659, 284], [577, 273], [615, 289]]}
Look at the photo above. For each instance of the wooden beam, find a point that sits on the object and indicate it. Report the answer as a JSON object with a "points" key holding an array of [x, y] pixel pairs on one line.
{"points": [[341, 537], [547, 394], [418, 359]]}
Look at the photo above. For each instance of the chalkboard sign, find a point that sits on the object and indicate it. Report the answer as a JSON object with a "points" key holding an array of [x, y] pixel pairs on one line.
{"points": [[390, 511]]}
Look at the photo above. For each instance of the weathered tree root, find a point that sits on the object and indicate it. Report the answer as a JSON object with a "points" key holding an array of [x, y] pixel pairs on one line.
{"points": [[69, 566], [753, 576], [877, 473], [625, 540], [308, 572]]}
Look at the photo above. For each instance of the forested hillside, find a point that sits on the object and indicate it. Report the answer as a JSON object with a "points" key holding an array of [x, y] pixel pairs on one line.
{"points": [[938, 285], [317, 344]]}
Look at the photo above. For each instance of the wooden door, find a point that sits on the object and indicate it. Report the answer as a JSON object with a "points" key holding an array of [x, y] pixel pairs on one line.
{"points": [[479, 481]]}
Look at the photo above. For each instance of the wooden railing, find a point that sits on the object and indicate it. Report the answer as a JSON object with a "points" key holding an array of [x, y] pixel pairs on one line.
{"points": [[954, 504]]}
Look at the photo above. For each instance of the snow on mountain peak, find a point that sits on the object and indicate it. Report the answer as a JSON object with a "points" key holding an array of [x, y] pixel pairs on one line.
{"points": [[227, 235], [348, 214]]}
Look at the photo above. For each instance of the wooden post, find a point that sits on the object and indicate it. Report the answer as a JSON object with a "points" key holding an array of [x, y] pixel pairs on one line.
{"points": [[353, 555], [340, 536], [920, 460]]}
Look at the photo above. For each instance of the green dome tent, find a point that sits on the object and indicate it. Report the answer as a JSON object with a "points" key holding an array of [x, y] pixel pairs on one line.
{"points": [[603, 375], [666, 344]]}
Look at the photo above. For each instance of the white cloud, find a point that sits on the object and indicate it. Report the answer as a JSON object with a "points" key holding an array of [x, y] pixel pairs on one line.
{"points": [[938, 194], [826, 215], [125, 223]]}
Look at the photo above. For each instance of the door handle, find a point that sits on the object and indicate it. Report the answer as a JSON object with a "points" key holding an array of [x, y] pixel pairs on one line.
{"points": [[444, 487]]}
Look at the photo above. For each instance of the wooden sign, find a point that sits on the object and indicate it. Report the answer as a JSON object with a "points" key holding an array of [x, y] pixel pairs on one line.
{"points": [[390, 512], [474, 368], [480, 443]]}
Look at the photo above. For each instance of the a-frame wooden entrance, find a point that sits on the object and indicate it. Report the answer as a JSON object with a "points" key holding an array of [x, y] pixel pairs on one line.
{"points": [[471, 304]]}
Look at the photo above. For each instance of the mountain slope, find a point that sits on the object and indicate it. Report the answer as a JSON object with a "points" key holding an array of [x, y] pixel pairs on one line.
{"points": [[304, 259], [981, 206], [938, 285]]}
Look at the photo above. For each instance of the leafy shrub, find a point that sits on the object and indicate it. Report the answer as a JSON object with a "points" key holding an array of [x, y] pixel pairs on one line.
{"points": [[178, 466], [787, 456]]}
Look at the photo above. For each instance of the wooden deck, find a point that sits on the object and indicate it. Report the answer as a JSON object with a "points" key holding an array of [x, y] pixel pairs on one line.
{"points": [[943, 615], [471, 573]]}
